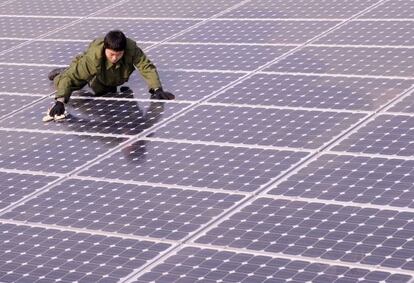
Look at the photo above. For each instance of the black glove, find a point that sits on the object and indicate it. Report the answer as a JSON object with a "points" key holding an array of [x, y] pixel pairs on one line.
{"points": [[159, 93], [57, 110]]}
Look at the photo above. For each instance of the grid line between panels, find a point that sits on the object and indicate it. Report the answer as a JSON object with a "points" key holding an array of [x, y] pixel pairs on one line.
{"points": [[241, 205], [61, 28], [298, 257], [174, 249]]}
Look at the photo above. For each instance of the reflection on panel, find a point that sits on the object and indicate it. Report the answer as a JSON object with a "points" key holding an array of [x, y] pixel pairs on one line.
{"points": [[258, 126], [127, 117], [217, 167], [184, 85]]}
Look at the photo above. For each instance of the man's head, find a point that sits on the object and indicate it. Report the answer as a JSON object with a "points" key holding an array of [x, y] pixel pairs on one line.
{"points": [[114, 45]]}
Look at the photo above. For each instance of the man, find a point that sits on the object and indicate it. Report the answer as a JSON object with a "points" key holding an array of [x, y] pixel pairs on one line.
{"points": [[107, 63]]}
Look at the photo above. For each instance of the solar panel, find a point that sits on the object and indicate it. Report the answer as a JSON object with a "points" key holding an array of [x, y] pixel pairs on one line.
{"points": [[50, 152], [319, 230], [34, 253], [270, 127], [149, 30], [285, 157], [117, 117], [358, 179], [314, 91], [25, 79], [214, 57], [53, 53], [258, 32], [156, 212], [372, 33], [22, 27], [349, 60], [210, 265], [16, 186], [387, 134], [299, 9], [197, 165]]}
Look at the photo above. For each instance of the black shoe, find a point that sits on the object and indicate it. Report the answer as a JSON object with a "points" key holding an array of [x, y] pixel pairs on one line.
{"points": [[52, 74]]}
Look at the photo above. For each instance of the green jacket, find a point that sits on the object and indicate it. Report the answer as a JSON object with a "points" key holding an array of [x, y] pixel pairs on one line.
{"points": [[93, 64]]}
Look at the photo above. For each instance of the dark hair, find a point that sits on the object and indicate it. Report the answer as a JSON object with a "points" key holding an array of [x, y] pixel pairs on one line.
{"points": [[115, 40]]}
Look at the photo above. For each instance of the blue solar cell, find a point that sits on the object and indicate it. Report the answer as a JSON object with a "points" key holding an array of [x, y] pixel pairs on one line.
{"points": [[350, 208], [26, 27], [76, 255], [217, 167], [15, 186], [189, 265], [125, 208], [171, 9], [76, 8], [309, 240], [127, 117], [406, 105], [25, 79], [349, 60], [378, 181], [396, 33], [214, 57], [142, 30], [314, 91], [262, 32], [397, 9], [386, 134], [10, 103], [9, 43], [298, 9], [50, 152], [190, 86], [275, 127], [53, 52]]}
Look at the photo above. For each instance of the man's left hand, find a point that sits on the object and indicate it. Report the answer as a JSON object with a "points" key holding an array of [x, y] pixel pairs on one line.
{"points": [[159, 93]]}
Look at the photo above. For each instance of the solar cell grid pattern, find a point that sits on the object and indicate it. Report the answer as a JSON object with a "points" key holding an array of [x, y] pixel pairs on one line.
{"points": [[286, 157]]}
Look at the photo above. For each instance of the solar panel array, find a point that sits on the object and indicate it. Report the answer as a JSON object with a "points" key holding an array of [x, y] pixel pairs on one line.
{"points": [[287, 155]]}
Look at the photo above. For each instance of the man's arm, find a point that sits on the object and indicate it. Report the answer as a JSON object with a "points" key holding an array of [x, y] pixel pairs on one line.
{"points": [[81, 70], [147, 69], [149, 72]]}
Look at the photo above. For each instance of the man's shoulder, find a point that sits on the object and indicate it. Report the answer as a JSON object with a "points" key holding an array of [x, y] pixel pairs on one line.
{"points": [[131, 44]]}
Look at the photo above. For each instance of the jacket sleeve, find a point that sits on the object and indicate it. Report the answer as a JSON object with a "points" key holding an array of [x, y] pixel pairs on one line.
{"points": [[81, 70], [147, 69]]}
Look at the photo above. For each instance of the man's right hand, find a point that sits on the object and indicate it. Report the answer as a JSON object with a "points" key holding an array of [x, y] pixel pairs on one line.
{"points": [[58, 109]]}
